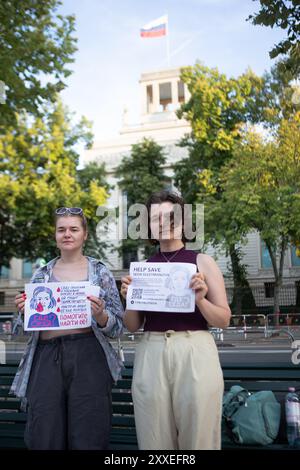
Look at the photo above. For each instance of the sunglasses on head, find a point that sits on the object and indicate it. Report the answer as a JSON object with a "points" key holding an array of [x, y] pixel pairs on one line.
{"points": [[69, 210]]}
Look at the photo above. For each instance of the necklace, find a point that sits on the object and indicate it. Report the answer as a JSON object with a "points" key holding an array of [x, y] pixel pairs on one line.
{"points": [[171, 257]]}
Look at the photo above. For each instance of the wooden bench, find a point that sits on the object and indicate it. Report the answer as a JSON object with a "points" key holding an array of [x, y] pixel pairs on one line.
{"points": [[264, 376], [254, 377]]}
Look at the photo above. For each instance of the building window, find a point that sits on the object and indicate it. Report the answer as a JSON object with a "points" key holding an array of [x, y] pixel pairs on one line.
{"points": [[180, 92], [128, 257], [269, 289], [295, 257], [266, 262], [2, 298], [4, 272], [27, 268], [297, 286], [149, 98], [168, 184], [165, 95]]}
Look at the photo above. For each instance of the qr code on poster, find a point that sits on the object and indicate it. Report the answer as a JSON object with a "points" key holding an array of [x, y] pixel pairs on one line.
{"points": [[137, 293]]}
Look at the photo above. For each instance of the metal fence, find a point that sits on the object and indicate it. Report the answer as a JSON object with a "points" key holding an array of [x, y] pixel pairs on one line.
{"points": [[260, 299], [254, 300], [267, 326], [257, 315]]}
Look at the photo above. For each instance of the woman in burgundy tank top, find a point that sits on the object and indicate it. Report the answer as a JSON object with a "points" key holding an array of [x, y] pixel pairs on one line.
{"points": [[178, 382]]}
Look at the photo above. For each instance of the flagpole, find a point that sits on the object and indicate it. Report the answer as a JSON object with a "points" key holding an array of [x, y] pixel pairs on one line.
{"points": [[168, 41]]}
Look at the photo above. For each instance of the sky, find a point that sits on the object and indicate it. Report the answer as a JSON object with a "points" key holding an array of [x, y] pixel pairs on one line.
{"points": [[112, 56]]}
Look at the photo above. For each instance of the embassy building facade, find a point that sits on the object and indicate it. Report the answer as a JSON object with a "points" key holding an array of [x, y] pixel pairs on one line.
{"points": [[162, 93]]}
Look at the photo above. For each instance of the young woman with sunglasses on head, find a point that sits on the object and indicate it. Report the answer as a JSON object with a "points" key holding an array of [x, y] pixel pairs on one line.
{"points": [[65, 376], [178, 382]]}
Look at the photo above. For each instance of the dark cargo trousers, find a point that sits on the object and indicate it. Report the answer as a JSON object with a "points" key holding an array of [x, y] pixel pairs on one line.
{"points": [[69, 395]]}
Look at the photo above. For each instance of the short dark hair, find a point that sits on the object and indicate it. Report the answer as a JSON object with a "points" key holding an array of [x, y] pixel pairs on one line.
{"points": [[158, 198]]}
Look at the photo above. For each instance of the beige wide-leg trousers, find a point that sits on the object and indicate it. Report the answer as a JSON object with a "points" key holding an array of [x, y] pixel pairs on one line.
{"points": [[177, 391]]}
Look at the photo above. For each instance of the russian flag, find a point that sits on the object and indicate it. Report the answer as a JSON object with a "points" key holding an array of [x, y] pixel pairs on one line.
{"points": [[155, 28]]}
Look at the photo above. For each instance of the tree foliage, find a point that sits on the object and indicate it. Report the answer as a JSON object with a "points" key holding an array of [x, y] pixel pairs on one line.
{"points": [[284, 14], [139, 175], [261, 186], [218, 106], [38, 161], [275, 101], [93, 180], [218, 111], [36, 47]]}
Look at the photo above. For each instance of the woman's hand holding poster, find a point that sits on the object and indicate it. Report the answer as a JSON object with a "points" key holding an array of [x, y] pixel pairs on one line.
{"points": [[58, 306], [161, 287]]}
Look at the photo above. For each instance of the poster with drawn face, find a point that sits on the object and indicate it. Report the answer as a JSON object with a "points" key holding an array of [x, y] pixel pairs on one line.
{"points": [[161, 287], [58, 306]]}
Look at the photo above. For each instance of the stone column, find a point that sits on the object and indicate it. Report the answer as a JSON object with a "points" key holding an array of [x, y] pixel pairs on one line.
{"points": [[155, 105], [144, 99], [187, 94], [174, 87]]}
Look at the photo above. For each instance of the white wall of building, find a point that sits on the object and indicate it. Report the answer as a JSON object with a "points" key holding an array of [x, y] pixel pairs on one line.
{"points": [[167, 130]]}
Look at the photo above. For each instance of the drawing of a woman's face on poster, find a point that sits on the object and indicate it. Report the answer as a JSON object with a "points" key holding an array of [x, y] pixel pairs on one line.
{"points": [[59, 305], [178, 283], [42, 300], [178, 280], [43, 303]]}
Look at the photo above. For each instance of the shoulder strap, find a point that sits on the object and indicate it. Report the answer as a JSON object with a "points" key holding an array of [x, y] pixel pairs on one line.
{"points": [[236, 397]]}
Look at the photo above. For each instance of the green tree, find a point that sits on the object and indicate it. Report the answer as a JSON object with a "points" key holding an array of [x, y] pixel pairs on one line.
{"points": [[261, 186], [284, 14], [36, 46], [94, 174], [140, 174], [38, 161], [218, 110], [275, 99]]}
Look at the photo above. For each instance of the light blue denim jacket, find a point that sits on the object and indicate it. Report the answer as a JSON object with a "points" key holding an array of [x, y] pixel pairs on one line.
{"points": [[98, 275]]}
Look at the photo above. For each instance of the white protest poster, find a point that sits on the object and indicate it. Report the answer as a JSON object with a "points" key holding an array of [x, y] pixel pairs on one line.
{"points": [[58, 305], [161, 287]]}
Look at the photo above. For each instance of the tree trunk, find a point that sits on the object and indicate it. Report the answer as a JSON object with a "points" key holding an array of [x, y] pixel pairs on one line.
{"points": [[242, 293], [277, 287], [278, 274]]}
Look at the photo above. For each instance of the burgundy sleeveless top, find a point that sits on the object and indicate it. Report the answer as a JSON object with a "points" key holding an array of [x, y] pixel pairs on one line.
{"points": [[163, 321]]}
